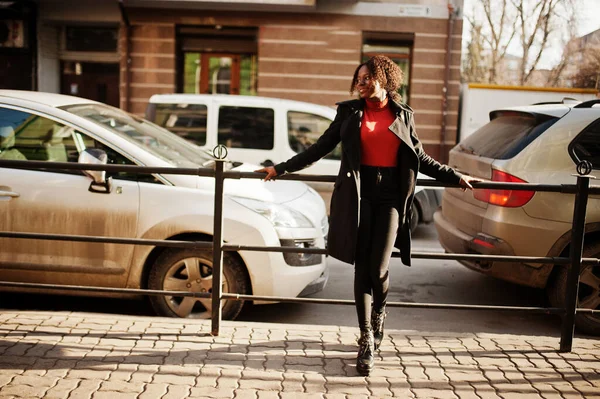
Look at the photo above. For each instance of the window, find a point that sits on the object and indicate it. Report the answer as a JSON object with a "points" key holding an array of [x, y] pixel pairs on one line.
{"points": [[185, 120], [506, 135], [304, 130], [217, 59], [91, 39], [586, 146], [29, 137], [246, 127]]}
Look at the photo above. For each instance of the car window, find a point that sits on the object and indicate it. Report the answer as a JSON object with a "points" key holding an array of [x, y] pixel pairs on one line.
{"points": [[246, 127], [185, 120], [304, 129], [30, 137], [507, 134], [586, 145], [145, 135]]}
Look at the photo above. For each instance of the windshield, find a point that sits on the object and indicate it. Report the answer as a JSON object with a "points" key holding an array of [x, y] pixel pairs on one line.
{"points": [[152, 138]]}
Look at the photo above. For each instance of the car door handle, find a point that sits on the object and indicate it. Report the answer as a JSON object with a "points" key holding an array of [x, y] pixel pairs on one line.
{"points": [[11, 194]]}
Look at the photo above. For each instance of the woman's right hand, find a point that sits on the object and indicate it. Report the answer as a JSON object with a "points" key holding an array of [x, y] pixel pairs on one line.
{"points": [[269, 170]]}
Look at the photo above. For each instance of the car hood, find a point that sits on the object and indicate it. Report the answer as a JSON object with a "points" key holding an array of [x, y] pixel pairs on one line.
{"points": [[279, 191]]}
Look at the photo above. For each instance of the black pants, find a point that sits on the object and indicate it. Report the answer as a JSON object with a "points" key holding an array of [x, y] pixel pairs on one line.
{"points": [[379, 218]]}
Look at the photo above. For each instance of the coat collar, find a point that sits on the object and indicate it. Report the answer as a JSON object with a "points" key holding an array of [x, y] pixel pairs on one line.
{"points": [[358, 104]]}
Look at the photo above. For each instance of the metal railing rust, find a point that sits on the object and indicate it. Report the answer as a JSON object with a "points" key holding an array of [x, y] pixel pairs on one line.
{"points": [[575, 261]]}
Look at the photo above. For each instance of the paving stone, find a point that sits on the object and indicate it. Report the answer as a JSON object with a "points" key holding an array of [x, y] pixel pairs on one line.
{"points": [[92, 375], [174, 379], [85, 389], [212, 393], [434, 393], [415, 373], [122, 386], [519, 395], [229, 378], [61, 389], [177, 392], [293, 382], [465, 392], [153, 391], [270, 395], [144, 373]]}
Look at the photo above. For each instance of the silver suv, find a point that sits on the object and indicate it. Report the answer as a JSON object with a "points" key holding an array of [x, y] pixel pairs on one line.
{"points": [[536, 144]]}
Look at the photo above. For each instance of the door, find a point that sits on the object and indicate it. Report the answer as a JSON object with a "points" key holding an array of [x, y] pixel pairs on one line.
{"points": [[92, 80], [219, 73], [59, 202]]}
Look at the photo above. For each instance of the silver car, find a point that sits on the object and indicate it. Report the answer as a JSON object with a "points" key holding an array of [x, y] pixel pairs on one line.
{"points": [[534, 144], [51, 127]]}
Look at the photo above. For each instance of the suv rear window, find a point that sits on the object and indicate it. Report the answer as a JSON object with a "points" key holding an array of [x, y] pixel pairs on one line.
{"points": [[506, 134]]}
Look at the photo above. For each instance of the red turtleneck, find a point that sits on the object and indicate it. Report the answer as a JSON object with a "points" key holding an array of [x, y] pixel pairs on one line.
{"points": [[378, 144]]}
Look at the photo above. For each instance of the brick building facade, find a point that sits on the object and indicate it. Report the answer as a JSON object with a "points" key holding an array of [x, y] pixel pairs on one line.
{"points": [[295, 49]]}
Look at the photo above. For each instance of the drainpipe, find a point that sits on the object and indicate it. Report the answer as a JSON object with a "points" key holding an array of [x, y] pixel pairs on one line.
{"points": [[451, 15], [127, 50]]}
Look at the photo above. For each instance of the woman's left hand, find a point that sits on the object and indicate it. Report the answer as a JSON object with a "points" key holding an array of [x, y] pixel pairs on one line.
{"points": [[466, 181]]}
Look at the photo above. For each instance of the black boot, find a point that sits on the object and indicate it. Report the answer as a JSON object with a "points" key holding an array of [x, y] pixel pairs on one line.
{"points": [[365, 360], [377, 320]]}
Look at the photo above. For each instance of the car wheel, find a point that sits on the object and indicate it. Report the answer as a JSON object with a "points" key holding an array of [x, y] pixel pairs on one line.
{"points": [[414, 221], [588, 293], [191, 270]]}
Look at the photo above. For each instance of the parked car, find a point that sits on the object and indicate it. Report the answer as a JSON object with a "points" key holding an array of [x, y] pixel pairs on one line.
{"points": [[535, 144], [51, 127], [264, 131]]}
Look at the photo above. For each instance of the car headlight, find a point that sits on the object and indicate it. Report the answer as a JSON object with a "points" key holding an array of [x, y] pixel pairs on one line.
{"points": [[278, 215]]}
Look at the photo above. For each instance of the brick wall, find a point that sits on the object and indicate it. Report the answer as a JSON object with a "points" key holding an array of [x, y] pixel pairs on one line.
{"points": [[152, 67], [307, 57]]}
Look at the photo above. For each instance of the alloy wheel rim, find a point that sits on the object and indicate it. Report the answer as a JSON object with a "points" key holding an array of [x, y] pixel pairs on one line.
{"points": [[192, 275], [589, 288]]}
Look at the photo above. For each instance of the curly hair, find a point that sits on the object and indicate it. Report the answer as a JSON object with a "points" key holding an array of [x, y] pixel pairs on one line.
{"points": [[386, 72]]}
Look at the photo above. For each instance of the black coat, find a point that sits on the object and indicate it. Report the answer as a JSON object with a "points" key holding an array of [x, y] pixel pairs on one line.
{"points": [[345, 201]]}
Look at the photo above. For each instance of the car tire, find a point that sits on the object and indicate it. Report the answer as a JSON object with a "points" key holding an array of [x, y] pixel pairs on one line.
{"points": [[414, 220], [172, 271], [589, 290]]}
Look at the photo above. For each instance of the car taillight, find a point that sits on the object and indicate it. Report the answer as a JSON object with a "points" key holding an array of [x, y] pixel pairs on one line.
{"points": [[506, 198]]}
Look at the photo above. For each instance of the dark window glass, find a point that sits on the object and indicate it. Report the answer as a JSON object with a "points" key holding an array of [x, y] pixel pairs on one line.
{"points": [[586, 146], [85, 38], [246, 127], [185, 120], [305, 129], [506, 135]]}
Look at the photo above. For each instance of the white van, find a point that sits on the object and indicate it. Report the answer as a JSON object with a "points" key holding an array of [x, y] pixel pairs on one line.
{"points": [[262, 130]]}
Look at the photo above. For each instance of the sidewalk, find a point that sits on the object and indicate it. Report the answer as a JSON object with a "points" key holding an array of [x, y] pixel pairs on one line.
{"points": [[81, 355]]}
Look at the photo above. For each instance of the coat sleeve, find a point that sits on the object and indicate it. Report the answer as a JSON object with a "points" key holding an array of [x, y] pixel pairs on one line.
{"points": [[323, 146], [427, 164]]}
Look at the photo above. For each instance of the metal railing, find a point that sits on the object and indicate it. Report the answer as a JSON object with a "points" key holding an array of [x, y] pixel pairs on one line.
{"points": [[581, 190]]}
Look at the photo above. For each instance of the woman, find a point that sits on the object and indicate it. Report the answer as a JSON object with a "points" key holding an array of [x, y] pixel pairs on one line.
{"points": [[374, 190]]}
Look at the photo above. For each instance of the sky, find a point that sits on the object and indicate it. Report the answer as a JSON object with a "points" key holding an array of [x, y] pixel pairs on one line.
{"points": [[589, 10]]}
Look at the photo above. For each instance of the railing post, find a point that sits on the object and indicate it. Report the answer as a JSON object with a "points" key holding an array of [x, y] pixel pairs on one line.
{"points": [[217, 272], [577, 234]]}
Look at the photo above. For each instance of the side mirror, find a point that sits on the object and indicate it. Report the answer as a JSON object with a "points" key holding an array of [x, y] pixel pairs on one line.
{"points": [[96, 156]]}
